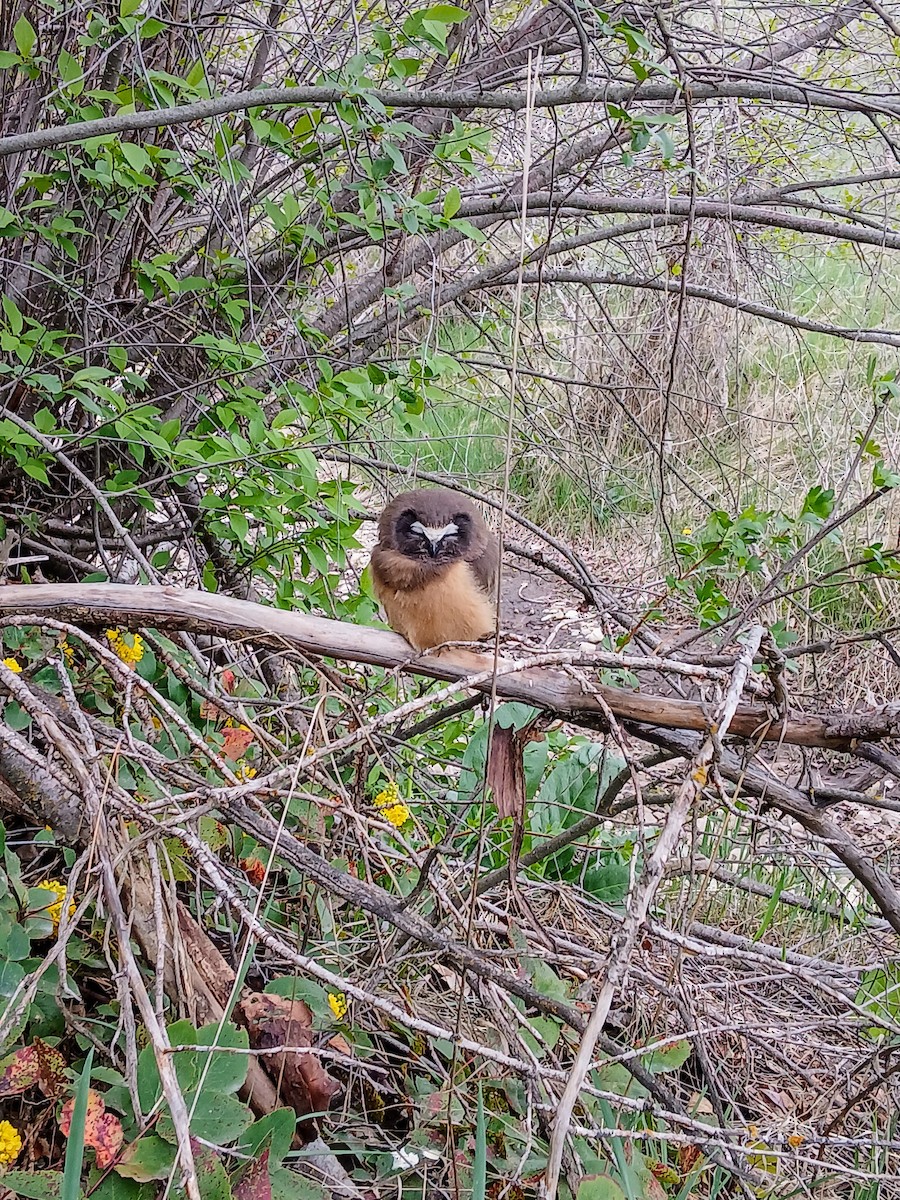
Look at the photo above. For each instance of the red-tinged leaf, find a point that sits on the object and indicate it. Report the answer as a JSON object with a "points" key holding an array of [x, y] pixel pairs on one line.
{"points": [[103, 1131], [210, 711], [228, 680], [254, 870], [237, 741], [19, 1072], [36, 1064], [211, 1176], [52, 1079], [255, 1184]]}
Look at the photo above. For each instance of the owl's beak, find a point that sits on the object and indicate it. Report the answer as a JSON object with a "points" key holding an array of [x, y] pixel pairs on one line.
{"points": [[434, 544]]}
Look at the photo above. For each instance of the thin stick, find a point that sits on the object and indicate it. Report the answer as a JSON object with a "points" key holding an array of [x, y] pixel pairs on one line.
{"points": [[620, 959]]}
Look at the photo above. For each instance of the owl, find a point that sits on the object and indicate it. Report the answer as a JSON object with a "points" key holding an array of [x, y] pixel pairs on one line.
{"points": [[435, 567]]}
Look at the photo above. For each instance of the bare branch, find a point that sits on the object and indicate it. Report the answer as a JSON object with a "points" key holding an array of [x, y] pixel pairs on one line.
{"points": [[171, 608]]}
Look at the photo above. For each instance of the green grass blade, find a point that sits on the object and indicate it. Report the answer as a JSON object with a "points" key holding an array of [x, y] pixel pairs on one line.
{"points": [[71, 1183], [479, 1166]]}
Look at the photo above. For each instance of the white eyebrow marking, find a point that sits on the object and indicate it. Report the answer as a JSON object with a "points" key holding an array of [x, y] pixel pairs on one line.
{"points": [[434, 534]]}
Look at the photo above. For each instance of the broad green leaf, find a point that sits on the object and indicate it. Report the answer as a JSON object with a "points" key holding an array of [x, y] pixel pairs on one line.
{"points": [[668, 1058], [599, 1187], [609, 882], [36, 1185], [452, 202], [148, 1158], [24, 36], [445, 14], [274, 1132]]}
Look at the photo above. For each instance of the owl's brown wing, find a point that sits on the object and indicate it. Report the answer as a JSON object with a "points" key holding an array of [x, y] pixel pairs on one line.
{"points": [[487, 564]]}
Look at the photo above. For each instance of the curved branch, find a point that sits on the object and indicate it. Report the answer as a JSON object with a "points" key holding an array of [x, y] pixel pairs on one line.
{"points": [[171, 608], [882, 337], [803, 96], [682, 206]]}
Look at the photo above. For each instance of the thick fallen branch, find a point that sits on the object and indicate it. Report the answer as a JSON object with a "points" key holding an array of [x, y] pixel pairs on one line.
{"points": [[171, 609]]}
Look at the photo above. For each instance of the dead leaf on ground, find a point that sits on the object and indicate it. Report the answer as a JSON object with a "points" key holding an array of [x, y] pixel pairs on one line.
{"points": [[302, 1080], [236, 741]]}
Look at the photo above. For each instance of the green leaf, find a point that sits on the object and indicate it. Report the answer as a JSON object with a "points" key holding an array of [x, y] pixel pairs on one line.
{"points": [[545, 979], [136, 156], [288, 1185], [479, 1165], [599, 1187], [11, 975], [44, 421], [447, 14], [547, 1030], [14, 941], [24, 36], [240, 526], [221, 1071], [609, 882], [217, 1119], [669, 1058], [274, 1131], [211, 1177], [879, 993], [34, 468], [14, 318], [818, 504], [295, 987], [70, 72], [9, 59], [452, 202], [37, 1185], [115, 1187], [148, 1158]]}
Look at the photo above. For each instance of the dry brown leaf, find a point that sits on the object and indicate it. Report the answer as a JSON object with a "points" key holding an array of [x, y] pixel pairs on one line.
{"points": [[302, 1080]]}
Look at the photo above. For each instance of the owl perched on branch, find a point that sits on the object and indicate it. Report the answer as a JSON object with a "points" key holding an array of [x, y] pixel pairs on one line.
{"points": [[435, 567]]}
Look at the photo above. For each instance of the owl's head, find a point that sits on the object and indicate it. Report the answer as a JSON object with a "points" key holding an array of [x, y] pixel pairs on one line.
{"points": [[433, 525]]}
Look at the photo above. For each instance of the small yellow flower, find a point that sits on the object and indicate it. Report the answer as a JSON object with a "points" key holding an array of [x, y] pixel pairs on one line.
{"points": [[337, 1002], [131, 654], [54, 911], [391, 806], [10, 1143], [687, 531], [13, 665], [795, 1140], [244, 771], [397, 815]]}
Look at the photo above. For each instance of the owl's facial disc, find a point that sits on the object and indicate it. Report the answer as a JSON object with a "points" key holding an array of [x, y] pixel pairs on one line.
{"points": [[435, 539]]}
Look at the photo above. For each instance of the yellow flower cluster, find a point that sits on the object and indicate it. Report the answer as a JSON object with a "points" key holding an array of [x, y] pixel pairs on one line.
{"points": [[244, 771], [10, 1143], [132, 654], [391, 806], [54, 911], [13, 665], [337, 1002]]}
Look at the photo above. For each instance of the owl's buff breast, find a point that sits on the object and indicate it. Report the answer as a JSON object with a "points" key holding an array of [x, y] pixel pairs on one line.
{"points": [[448, 606]]}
